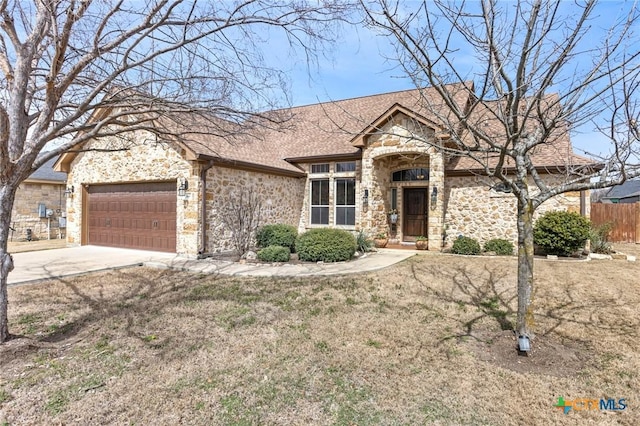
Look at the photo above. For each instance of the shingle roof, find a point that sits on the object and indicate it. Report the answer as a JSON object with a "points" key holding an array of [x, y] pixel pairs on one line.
{"points": [[328, 129], [323, 129], [46, 173], [630, 188], [276, 140]]}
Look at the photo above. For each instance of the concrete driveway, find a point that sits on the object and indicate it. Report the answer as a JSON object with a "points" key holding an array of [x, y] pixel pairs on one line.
{"points": [[56, 263]]}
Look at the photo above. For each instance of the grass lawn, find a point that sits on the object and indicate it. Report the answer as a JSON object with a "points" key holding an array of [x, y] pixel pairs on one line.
{"points": [[427, 341]]}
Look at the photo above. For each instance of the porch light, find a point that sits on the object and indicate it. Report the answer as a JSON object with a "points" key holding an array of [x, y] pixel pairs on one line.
{"points": [[68, 192], [182, 189], [365, 197], [434, 197]]}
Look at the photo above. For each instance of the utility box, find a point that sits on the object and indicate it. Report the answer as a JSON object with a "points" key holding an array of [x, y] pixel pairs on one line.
{"points": [[42, 211], [62, 222]]}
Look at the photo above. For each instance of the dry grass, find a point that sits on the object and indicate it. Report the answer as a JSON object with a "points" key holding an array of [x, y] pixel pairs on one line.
{"points": [[423, 342], [23, 246]]}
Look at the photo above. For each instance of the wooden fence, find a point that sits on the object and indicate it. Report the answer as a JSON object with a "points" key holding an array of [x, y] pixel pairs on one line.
{"points": [[624, 217]]}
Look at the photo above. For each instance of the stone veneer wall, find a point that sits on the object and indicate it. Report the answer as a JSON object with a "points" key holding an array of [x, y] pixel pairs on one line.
{"points": [[143, 162], [474, 210], [396, 148], [281, 200], [24, 214]]}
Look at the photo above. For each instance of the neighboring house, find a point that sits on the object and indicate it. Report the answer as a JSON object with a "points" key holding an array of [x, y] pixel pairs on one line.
{"points": [[345, 164], [39, 207], [628, 192]]}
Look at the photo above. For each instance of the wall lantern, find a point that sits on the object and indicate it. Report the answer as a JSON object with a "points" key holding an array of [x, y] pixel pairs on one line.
{"points": [[365, 197], [69, 191], [434, 197], [182, 189]]}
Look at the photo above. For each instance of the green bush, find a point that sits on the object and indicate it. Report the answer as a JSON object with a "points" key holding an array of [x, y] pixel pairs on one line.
{"points": [[274, 254], [465, 245], [327, 245], [599, 237], [277, 235], [561, 233], [499, 246]]}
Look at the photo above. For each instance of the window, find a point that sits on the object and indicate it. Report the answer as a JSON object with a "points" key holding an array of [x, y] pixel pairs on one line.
{"points": [[345, 201], [320, 202], [320, 168], [349, 166], [410, 175]]}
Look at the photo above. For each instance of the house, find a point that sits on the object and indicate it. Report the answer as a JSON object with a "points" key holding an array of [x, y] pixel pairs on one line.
{"points": [[39, 208], [627, 192], [345, 164]]}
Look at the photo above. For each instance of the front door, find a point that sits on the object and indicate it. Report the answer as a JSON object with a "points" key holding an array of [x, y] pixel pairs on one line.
{"points": [[415, 213]]}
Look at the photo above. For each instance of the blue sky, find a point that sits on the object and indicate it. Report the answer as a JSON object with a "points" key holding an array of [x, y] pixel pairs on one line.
{"points": [[357, 67]]}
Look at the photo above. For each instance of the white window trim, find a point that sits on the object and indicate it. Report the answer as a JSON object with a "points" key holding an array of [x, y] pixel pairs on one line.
{"points": [[335, 205], [311, 205], [332, 176]]}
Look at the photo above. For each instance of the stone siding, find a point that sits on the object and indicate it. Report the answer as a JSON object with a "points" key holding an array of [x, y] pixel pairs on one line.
{"points": [[142, 162], [25, 215], [394, 148], [280, 199], [474, 210]]}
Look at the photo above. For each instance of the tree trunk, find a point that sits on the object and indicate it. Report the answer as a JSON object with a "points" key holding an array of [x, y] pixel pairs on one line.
{"points": [[7, 197], [524, 322]]}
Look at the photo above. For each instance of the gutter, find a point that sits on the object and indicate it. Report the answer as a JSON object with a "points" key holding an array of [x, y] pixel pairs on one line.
{"points": [[203, 209]]}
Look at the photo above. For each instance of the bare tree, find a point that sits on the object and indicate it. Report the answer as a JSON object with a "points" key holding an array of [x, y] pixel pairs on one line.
{"points": [[76, 70], [240, 215], [536, 71]]}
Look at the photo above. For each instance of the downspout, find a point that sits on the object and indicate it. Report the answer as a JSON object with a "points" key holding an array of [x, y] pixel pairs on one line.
{"points": [[203, 210]]}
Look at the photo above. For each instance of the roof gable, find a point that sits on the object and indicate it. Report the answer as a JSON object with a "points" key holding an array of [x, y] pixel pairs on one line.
{"points": [[360, 139]]}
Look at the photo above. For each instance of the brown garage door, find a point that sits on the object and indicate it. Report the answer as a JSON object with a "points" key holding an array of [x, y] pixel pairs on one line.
{"points": [[138, 216]]}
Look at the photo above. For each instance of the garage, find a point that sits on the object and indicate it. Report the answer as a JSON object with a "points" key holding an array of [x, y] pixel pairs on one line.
{"points": [[137, 216]]}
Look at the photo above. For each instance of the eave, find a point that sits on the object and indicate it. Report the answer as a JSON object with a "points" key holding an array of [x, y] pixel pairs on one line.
{"points": [[248, 166], [326, 157]]}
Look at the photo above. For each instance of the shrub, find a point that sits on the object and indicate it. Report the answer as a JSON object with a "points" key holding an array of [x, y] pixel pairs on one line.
{"points": [[327, 245], [277, 235], [599, 236], [561, 233], [499, 246], [465, 245], [274, 254], [363, 244]]}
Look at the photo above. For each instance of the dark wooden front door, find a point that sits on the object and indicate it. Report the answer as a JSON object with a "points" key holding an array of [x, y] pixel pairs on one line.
{"points": [[138, 216], [414, 213]]}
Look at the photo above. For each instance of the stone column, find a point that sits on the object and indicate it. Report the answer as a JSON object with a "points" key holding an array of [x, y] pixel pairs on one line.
{"points": [[436, 215]]}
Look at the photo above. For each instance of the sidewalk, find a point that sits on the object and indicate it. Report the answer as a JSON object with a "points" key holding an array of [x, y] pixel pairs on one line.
{"points": [[369, 262], [58, 263]]}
